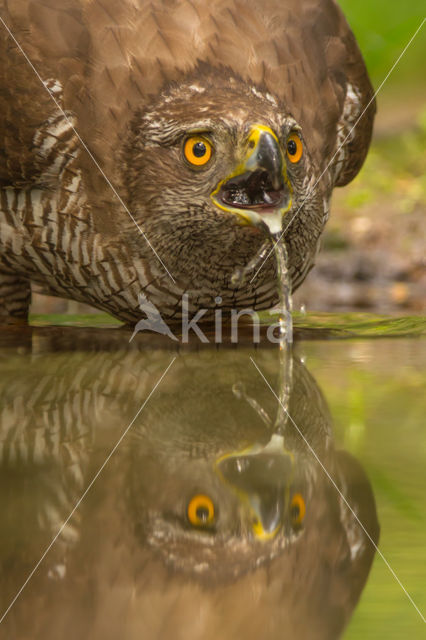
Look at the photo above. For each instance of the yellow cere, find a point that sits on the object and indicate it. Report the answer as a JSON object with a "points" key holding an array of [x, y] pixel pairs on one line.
{"points": [[255, 133], [200, 511]]}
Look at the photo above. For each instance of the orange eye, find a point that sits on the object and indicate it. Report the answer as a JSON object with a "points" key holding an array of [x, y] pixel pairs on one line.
{"points": [[200, 511], [297, 510], [197, 150], [294, 148]]}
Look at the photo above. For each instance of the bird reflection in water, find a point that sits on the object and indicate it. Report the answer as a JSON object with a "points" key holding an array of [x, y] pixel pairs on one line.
{"points": [[213, 519]]}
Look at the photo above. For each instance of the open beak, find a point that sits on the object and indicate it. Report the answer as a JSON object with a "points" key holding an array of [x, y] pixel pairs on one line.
{"points": [[258, 191], [260, 477]]}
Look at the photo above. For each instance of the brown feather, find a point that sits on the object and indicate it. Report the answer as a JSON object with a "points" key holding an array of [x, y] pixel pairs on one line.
{"points": [[114, 61]]}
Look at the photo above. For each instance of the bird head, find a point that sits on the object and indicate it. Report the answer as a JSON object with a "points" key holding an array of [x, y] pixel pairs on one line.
{"points": [[215, 153], [221, 518]]}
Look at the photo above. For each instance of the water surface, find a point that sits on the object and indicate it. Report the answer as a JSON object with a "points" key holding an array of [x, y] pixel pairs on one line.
{"points": [[216, 515]]}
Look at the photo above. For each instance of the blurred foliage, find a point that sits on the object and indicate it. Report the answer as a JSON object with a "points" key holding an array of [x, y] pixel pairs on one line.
{"points": [[383, 28], [395, 165]]}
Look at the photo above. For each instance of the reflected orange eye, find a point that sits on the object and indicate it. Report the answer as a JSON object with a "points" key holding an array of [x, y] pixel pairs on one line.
{"points": [[294, 148], [297, 510], [197, 150], [200, 511]]}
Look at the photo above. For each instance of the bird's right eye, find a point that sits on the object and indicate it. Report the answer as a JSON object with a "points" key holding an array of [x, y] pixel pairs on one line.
{"points": [[197, 150], [200, 511], [297, 510]]}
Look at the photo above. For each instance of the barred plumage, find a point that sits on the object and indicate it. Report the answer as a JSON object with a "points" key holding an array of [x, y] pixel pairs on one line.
{"points": [[133, 78]]}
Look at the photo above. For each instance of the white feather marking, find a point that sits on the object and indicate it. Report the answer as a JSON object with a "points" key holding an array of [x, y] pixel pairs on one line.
{"points": [[197, 88], [53, 85]]}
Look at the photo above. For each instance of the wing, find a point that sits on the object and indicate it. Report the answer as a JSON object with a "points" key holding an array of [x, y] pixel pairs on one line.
{"points": [[111, 57], [50, 34]]}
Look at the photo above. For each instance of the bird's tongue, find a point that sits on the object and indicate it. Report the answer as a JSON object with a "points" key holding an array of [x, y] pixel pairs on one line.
{"points": [[257, 199]]}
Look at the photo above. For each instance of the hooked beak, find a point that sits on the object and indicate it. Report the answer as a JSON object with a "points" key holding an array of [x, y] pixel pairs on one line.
{"points": [[258, 191], [261, 479]]}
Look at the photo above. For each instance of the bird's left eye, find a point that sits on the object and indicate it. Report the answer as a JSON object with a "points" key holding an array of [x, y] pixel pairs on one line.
{"points": [[197, 150], [200, 511], [294, 148], [297, 510]]}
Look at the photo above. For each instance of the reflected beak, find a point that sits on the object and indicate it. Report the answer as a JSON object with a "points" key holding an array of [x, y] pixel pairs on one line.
{"points": [[261, 480], [258, 191]]}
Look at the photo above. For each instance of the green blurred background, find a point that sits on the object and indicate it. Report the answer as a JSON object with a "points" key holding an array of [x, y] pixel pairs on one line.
{"points": [[383, 28]]}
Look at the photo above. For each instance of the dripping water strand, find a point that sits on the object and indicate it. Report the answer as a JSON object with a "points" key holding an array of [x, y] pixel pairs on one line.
{"points": [[284, 294], [285, 378], [285, 386], [283, 280]]}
